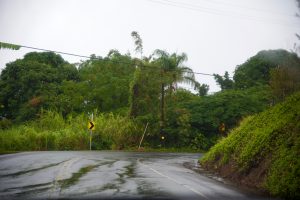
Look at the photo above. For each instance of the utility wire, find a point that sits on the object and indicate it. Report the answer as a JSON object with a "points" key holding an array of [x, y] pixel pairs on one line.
{"points": [[60, 52], [93, 58], [205, 9], [273, 12], [220, 12], [194, 6]]}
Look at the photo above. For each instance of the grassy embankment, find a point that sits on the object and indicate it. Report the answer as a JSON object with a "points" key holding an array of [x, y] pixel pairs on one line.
{"points": [[263, 152], [52, 132]]}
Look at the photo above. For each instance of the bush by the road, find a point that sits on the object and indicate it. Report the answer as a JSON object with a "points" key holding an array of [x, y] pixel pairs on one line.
{"points": [[52, 132], [263, 151]]}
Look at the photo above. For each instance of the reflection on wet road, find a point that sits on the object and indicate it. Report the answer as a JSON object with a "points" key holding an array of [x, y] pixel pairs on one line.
{"points": [[116, 175]]}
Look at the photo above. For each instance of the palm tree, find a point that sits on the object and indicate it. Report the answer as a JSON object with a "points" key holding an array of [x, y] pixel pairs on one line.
{"points": [[172, 72]]}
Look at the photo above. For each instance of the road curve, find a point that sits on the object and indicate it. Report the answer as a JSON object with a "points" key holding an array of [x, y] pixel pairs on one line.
{"points": [[109, 175]]}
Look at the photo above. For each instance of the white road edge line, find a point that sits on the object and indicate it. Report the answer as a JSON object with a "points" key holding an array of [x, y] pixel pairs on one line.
{"points": [[174, 180]]}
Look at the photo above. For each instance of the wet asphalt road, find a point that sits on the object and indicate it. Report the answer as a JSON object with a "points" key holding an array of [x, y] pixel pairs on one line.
{"points": [[113, 175]]}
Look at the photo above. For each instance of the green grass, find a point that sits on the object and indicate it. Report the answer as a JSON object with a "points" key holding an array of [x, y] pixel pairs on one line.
{"points": [[52, 132], [8, 152], [272, 135], [168, 150]]}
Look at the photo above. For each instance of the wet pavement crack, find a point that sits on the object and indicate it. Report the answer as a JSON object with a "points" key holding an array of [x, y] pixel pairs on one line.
{"points": [[31, 170]]}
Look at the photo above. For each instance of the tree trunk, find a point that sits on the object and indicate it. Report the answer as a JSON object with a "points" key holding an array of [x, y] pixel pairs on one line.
{"points": [[134, 106], [162, 108]]}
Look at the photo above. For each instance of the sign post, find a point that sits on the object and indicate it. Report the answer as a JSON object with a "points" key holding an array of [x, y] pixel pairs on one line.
{"points": [[143, 136], [222, 128], [91, 127], [163, 140]]}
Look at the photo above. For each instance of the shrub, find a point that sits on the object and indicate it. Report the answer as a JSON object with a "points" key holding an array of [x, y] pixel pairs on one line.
{"points": [[272, 135]]}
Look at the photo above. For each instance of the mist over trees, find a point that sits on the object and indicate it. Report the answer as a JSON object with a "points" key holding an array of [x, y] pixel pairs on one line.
{"points": [[296, 47]]}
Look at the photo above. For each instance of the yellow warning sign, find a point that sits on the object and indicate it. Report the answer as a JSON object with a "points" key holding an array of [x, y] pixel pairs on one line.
{"points": [[91, 125]]}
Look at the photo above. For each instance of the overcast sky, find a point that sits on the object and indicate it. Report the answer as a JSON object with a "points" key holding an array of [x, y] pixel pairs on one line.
{"points": [[217, 35]]}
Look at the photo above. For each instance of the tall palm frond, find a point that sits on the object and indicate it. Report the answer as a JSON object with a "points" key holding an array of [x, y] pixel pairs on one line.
{"points": [[172, 72]]}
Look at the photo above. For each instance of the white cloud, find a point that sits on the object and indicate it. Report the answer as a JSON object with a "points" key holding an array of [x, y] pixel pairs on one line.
{"points": [[217, 35]]}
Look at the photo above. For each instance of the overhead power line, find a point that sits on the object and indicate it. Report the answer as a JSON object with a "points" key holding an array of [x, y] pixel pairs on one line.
{"points": [[93, 58], [273, 12], [54, 51], [219, 12]]}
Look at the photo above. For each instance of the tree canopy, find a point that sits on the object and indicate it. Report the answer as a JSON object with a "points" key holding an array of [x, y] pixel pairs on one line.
{"points": [[32, 82], [256, 70], [145, 90]]}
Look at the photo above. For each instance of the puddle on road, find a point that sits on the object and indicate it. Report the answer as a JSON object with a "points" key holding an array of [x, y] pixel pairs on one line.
{"points": [[34, 192], [65, 183], [115, 186], [110, 186], [31, 170], [43, 188], [26, 192], [28, 187], [130, 170], [129, 173], [148, 190]]}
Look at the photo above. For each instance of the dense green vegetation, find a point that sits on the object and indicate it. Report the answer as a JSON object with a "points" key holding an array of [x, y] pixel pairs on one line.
{"points": [[51, 131], [256, 70], [263, 151], [34, 82], [128, 93]]}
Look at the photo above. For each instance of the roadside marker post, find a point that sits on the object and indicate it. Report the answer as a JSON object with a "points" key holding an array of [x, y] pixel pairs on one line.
{"points": [[222, 129], [91, 127], [143, 136], [163, 140]]}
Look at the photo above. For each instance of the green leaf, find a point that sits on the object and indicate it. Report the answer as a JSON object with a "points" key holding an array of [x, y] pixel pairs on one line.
{"points": [[4, 45]]}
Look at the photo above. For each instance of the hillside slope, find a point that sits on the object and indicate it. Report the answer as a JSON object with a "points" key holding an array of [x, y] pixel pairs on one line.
{"points": [[263, 152]]}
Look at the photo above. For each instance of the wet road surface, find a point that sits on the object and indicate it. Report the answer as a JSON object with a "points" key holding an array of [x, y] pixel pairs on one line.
{"points": [[109, 175]]}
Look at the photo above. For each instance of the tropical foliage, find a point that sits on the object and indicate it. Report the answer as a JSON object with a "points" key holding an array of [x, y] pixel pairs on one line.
{"points": [[130, 92], [267, 143], [4, 45]]}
